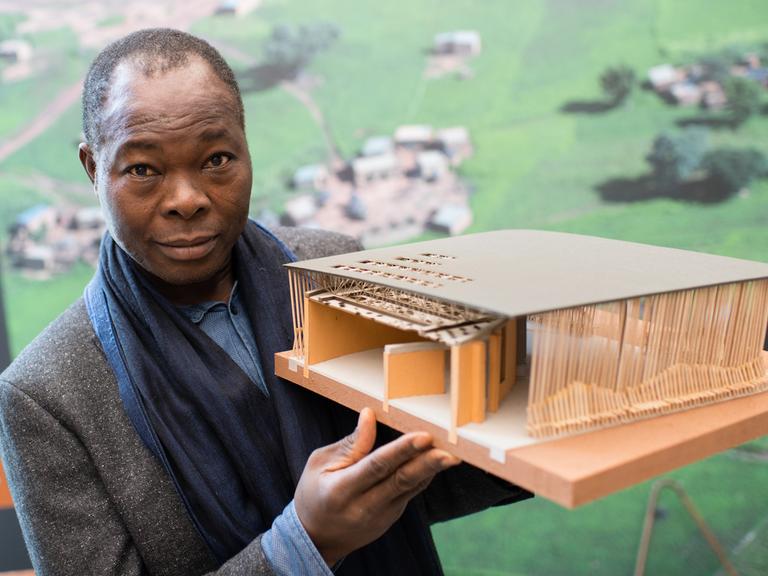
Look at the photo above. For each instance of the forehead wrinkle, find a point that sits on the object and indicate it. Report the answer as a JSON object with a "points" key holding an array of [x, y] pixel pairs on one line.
{"points": [[200, 125], [138, 145], [212, 134]]}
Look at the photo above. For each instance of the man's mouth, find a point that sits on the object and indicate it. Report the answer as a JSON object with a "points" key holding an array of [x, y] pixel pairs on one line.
{"points": [[192, 248]]}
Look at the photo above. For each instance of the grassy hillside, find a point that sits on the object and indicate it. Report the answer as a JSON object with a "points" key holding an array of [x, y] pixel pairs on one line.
{"points": [[62, 65], [31, 304]]}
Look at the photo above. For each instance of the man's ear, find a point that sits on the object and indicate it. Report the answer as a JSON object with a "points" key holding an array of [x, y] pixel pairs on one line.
{"points": [[87, 160]]}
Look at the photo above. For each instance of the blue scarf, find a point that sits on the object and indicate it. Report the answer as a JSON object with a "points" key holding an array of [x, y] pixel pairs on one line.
{"points": [[233, 454]]}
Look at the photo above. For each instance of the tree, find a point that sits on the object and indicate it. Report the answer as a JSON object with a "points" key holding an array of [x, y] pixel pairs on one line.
{"points": [[674, 158], [717, 67], [743, 98], [617, 83], [286, 53], [731, 169], [291, 49]]}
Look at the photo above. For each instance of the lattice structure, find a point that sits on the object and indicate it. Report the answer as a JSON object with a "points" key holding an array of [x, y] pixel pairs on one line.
{"points": [[432, 319], [596, 365]]}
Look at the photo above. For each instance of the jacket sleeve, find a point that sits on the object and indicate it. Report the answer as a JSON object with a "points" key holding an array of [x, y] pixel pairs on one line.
{"points": [[68, 521], [70, 524], [308, 243], [466, 489]]}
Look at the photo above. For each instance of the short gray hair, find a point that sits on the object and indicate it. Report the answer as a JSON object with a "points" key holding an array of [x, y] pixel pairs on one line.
{"points": [[156, 50]]}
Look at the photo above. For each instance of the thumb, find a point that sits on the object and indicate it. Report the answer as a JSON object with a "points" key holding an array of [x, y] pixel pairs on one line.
{"points": [[357, 445]]}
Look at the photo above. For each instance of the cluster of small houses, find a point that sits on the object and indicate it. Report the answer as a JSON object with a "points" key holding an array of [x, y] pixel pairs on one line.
{"points": [[45, 240], [416, 161], [693, 85], [415, 154]]}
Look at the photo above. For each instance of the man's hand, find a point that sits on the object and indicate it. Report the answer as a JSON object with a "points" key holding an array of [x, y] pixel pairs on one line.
{"points": [[348, 496]]}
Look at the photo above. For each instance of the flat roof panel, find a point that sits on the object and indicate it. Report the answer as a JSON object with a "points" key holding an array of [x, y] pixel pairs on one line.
{"points": [[519, 272]]}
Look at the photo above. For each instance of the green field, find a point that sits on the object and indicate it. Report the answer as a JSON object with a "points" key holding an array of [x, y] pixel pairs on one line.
{"points": [[30, 302], [535, 167], [63, 65]]}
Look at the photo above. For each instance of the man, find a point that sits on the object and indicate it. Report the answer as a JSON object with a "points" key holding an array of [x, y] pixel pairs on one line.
{"points": [[144, 430]]}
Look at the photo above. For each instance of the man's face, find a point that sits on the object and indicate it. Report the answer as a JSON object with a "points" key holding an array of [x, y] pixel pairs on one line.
{"points": [[173, 173]]}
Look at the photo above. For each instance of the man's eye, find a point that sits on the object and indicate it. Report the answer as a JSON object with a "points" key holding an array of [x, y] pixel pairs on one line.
{"points": [[218, 160], [141, 170]]}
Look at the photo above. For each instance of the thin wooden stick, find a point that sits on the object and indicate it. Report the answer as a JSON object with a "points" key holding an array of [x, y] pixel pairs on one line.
{"points": [[596, 365]]}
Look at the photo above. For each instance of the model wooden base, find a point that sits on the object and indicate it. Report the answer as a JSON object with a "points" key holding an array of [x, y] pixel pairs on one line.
{"points": [[574, 470]]}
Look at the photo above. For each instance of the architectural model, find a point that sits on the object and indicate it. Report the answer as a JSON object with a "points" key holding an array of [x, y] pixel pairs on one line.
{"points": [[511, 338]]}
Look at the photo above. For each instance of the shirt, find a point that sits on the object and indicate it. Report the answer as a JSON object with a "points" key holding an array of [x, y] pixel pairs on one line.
{"points": [[287, 546]]}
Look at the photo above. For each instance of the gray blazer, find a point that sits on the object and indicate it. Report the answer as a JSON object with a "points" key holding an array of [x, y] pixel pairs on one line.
{"points": [[91, 498]]}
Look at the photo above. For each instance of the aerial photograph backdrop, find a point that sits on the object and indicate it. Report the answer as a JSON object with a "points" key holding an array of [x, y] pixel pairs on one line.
{"points": [[406, 120]]}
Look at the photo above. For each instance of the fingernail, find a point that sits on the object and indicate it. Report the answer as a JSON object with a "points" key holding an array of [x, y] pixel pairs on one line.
{"points": [[360, 417], [421, 442], [449, 460]]}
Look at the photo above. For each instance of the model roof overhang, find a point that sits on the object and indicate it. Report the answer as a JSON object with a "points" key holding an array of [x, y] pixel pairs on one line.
{"points": [[521, 272]]}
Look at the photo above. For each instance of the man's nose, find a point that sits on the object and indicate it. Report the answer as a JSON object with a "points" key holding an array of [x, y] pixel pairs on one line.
{"points": [[184, 197]]}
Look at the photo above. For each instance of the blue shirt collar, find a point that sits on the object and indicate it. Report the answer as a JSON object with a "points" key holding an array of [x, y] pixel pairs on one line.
{"points": [[196, 312]]}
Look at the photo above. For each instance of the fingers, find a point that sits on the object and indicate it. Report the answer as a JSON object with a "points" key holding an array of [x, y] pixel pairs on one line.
{"points": [[400, 466], [384, 461], [348, 496], [403, 466], [355, 446], [389, 498], [414, 476]]}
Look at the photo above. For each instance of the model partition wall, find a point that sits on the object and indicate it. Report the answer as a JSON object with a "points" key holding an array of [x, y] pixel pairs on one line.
{"points": [[597, 365], [588, 366]]}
